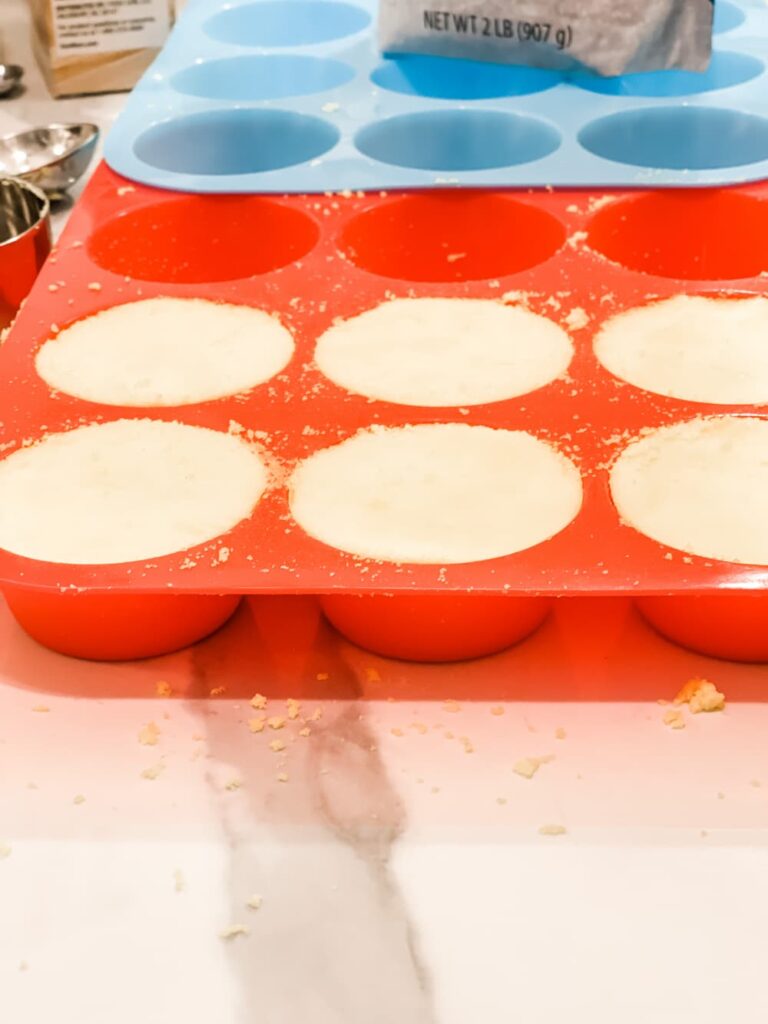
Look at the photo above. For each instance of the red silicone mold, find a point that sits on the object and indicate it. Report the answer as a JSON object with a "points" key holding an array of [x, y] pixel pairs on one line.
{"points": [[575, 257]]}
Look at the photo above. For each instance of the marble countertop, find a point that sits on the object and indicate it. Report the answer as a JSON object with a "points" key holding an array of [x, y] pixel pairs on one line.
{"points": [[397, 856]]}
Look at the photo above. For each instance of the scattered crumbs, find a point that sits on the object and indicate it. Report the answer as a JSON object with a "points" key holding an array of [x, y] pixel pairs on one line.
{"points": [[154, 771], [124, 190], [276, 722], [294, 707], [452, 706], [560, 733], [372, 675], [528, 766], [497, 710], [224, 554], [420, 728], [149, 734], [257, 724], [179, 881], [501, 800], [701, 695], [448, 735], [322, 676], [41, 708], [577, 319], [668, 556], [53, 287], [435, 789], [258, 701], [674, 719], [5, 851], [329, 108], [756, 783], [55, 328], [552, 830], [253, 902], [163, 689], [282, 777], [306, 731], [94, 286], [397, 732], [217, 691], [452, 257], [233, 784], [467, 744], [79, 799], [233, 931], [721, 796], [277, 746], [316, 715]]}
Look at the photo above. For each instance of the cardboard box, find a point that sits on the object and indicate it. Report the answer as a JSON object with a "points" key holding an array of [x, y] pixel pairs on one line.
{"points": [[93, 46]]}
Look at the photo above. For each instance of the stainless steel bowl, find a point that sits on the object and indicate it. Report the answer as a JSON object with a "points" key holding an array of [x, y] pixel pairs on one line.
{"points": [[53, 158], [10, 76]]}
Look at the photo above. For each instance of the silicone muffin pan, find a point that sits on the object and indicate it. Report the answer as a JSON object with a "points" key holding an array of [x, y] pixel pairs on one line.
{"points": [[575, 257], [293, 96]]}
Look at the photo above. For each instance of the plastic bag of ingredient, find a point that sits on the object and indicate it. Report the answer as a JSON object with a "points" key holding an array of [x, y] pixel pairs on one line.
{"points": [[609, 37]]}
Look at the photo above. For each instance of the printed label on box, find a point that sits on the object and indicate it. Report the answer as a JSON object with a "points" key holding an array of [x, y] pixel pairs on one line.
{"points": [[82, 27]]}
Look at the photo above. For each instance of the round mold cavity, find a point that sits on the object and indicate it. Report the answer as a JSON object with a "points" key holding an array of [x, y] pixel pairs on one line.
{"points": [[226, 142], [439, 78], [442, 627], [707, 234], [732, 625], [261, 78], [457, 140], [444, 236], [286, 23], [193, 239], [678, 138], [117, 627], [727, 17], [726, 69]]}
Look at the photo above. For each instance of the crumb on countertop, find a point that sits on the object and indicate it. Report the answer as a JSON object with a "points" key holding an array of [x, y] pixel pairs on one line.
{"points": [[552, 830], [527, 767], [674, 719], [294, 707], [701, 695], [258, 701], [282, 777], [179, 881], [497, 710], [41, 708], [452, 706], [276, 722], [254, 902], [79, 799], [560, 733], [233, 931], [306, 731], [154, 771], [5, 850], [149, 734], [233, 784], [277, 746], [257, 724]]}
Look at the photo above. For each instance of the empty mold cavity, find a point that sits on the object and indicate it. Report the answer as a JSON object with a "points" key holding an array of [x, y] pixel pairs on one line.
{"points": [[286, 23], [725, 70], [203, 238], [707, 234], [678, 138], [727, 17], [261, 78], [442, 79], [457, 140], [445, 236], [228, 142]]}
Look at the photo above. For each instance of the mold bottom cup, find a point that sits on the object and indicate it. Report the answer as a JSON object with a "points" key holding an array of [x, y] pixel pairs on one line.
{"points": [[118, 627], [732, 626], [435, 627]]}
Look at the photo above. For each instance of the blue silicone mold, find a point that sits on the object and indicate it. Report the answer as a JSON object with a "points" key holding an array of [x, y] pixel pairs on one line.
{"points": [[293, 96]]}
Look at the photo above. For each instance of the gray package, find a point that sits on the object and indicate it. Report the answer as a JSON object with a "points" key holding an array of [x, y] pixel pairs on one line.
{"points": [[610, 37]]}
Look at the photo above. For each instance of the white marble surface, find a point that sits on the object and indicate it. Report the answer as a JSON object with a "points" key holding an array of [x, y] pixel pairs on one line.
{"points": [[403, 877]]}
